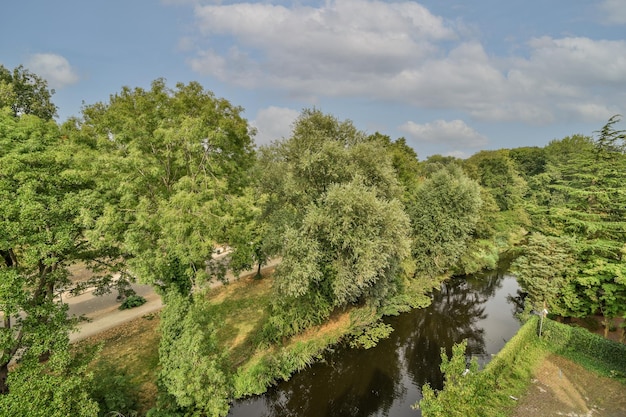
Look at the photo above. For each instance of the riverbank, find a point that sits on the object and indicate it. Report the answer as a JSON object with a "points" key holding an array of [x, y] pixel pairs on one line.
{"points": [[568, 371]]}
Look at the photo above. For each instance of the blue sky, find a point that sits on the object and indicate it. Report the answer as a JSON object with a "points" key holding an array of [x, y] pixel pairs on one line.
{"points": [[452, 77]]}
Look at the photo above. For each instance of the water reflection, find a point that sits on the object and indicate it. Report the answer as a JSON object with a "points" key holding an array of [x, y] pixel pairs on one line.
{"points": [[386, 380]]}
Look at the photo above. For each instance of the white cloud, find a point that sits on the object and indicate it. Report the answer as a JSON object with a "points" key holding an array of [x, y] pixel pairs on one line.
{"points": [[615, 11], [349, 37], [452, 133], [273, 123], [400, 52], [53, 68]]}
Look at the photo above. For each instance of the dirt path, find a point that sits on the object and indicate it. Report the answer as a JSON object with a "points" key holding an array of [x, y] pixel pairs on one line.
{"points": [[564, 388]]}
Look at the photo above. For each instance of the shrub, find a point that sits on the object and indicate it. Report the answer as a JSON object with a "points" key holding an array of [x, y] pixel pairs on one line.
{"points": [[114, 391], [600, 354], [132, 302]]}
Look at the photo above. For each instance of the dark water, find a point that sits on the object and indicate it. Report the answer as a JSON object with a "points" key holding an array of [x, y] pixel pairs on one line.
{"points": [[387, 380]]}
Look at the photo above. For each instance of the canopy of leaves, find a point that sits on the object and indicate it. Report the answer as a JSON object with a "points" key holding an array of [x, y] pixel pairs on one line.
{"points": [[45, 205], [26, 93], [172, 163], [194, 369], [444, 214]]}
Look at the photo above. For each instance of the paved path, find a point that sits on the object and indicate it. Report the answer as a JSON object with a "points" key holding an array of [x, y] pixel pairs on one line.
{"points": [[103, 313]]}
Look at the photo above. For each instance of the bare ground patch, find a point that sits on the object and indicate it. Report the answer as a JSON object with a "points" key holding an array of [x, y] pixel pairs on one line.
{"points": [[563, 388]]}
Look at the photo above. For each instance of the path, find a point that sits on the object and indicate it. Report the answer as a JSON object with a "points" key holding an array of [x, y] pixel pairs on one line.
{"points": [[103, 312]]}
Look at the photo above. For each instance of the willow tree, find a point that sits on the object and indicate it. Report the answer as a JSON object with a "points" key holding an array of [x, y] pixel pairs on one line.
{"points": [[444, 213], [333, 212]]}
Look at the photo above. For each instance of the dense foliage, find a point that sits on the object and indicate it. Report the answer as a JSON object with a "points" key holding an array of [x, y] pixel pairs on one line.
{"points": [[155, 184]]}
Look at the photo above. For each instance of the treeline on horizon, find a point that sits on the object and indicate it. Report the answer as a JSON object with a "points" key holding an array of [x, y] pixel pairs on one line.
{"points": [[148, 186]]}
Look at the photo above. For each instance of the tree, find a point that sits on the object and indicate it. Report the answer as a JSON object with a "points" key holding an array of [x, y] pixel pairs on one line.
{"points": [[173, 162], [584, 199], [332, 211], [495, 171], [546, 266], [45, 204], [444, 214], [194, 369], [26, 93]]}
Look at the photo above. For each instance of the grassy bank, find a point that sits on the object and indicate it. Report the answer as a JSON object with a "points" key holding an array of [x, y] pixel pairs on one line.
{"points": [[495, 390]]}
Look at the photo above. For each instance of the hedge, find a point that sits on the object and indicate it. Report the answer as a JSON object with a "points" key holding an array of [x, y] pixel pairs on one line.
{"points": [[575, 342]]}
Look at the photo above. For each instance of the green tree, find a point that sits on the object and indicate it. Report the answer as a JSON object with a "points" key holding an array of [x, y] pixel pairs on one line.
{"points": [[26, 93], [546, 266], [463, 391], [173, 163], [332, 211], [496, 171], [583, 198], [444, 214], [45, 206], [194, 369]]}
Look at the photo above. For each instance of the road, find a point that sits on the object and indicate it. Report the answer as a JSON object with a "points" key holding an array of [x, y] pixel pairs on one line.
{"points": [[103, 312]]}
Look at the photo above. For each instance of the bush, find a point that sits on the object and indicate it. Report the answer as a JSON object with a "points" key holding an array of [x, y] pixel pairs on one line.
{"points": [[114, 391], [580, 345], [132, 302]]}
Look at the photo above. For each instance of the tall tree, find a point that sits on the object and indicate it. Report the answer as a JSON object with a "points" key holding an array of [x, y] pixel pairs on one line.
{"points": [[333, 212], [544, 269], [45, 206], [444, 215], [194, 369], [173, 162], [587, 202]]}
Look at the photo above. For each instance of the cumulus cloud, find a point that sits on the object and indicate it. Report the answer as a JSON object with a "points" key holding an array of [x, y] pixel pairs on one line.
{"points": [[273, 123], [452, 133], [615, 11], [401, 52], [53, 68]]}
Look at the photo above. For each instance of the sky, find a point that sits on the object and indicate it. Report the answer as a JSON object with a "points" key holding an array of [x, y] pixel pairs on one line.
{"points": [[452, 77]]}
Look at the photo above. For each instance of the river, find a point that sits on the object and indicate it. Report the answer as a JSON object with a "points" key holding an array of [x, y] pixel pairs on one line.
{"points": [[387, 380]]}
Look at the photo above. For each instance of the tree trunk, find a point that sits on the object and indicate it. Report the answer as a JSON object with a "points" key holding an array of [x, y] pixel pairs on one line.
{"points": [[607, 326], [258, 272], [4, 373]]}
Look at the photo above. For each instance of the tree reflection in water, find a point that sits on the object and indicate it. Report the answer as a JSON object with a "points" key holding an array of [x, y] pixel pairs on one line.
{"points": [[386, 380]]}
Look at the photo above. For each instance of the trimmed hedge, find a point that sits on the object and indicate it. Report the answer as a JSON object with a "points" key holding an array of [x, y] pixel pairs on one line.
{"points": [[514, 349], [575, 342]]}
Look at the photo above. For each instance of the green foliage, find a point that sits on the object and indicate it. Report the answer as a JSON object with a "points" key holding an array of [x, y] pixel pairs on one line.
{"points": [[602, 355], [114, 391], [529, 161], [495, 171], [46, 204], [48, 381], [332, 211], [172, 163], [132, 302], [544, 269], [464, 389], [444, 214], [468, 392], [370, 337], [265, 370], [290, 316], [194, 369], [26, 93], [581, 196]]}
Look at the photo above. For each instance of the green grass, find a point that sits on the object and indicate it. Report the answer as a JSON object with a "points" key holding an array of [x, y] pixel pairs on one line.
{"points": [[240, 309]]}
